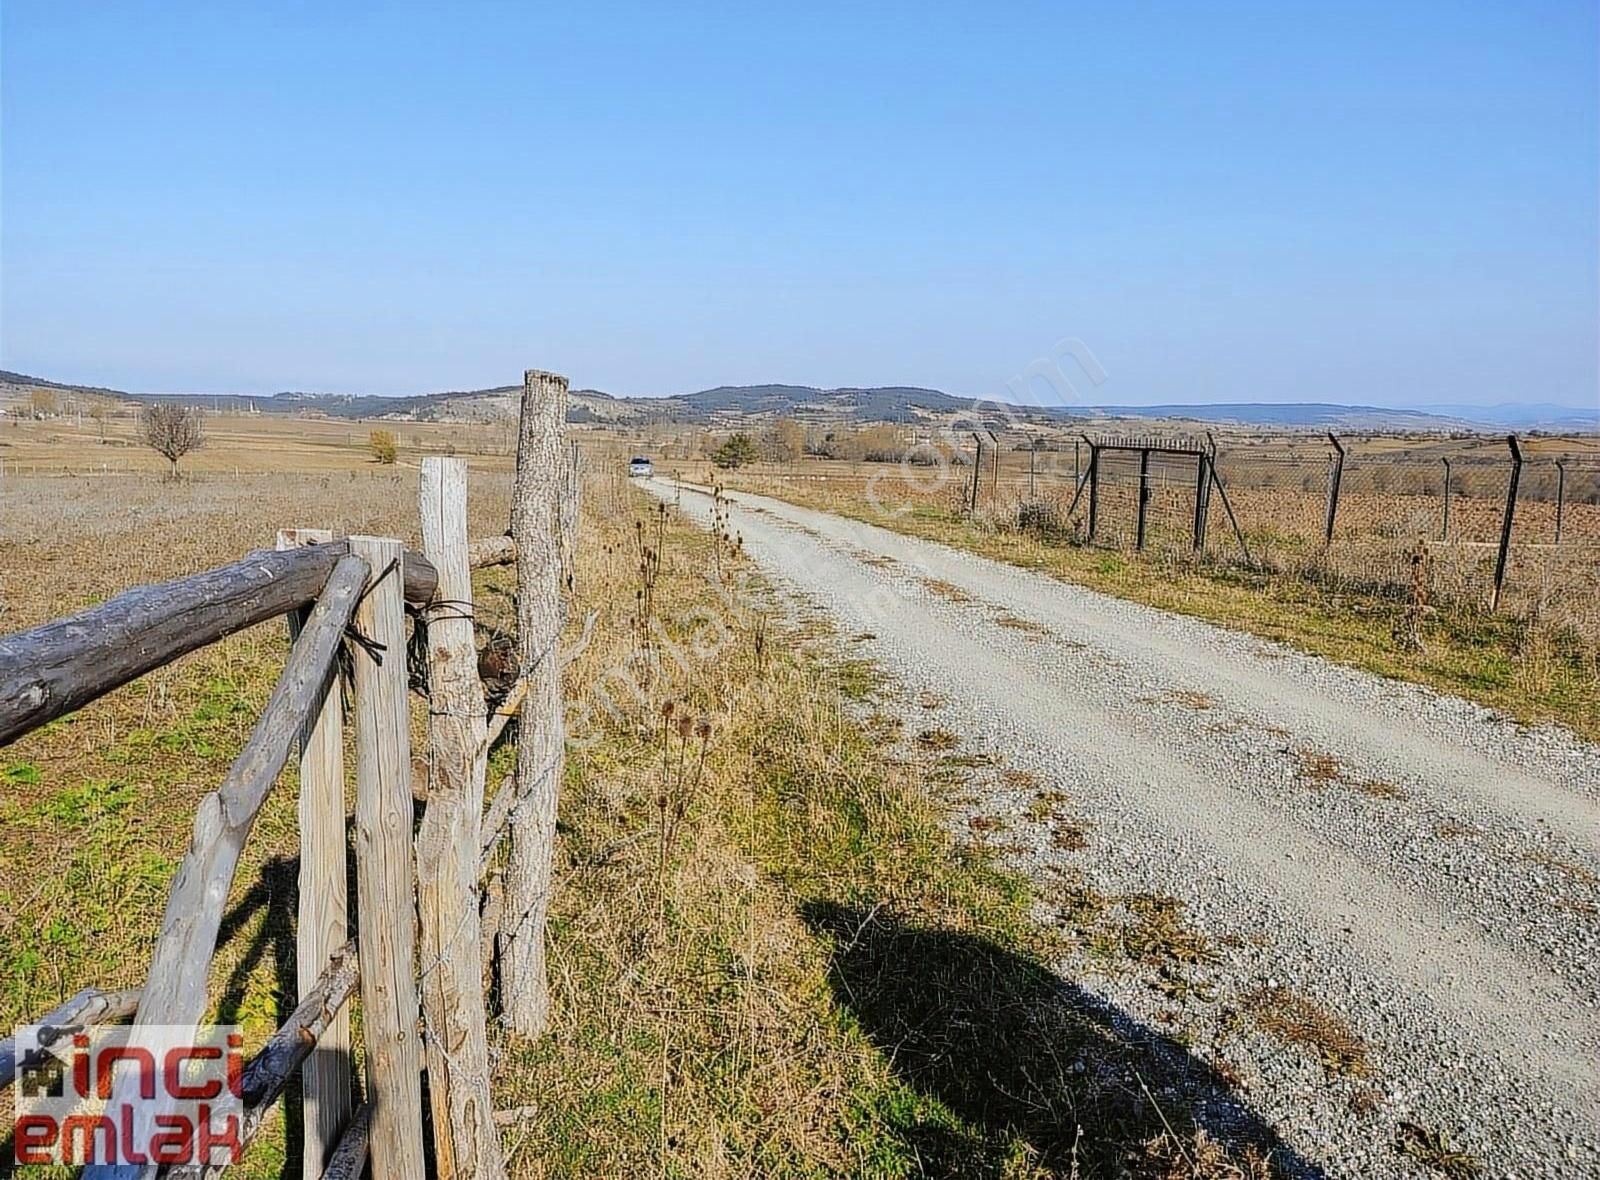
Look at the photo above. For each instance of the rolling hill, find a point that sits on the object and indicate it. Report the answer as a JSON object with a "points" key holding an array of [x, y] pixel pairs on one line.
{"points": [[731, 405]]}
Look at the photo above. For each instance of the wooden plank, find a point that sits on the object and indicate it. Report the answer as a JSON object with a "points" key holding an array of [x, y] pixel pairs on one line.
{"points": [[63, 665], [322, 924], [175, 990], [89, 1007], [384, 872], [466, 1143], [268, 1072], [535, 508]]}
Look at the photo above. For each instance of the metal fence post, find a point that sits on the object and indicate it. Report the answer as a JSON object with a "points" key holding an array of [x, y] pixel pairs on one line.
{"points": [[977, 468], [1201, 488], [1505, 522], [1094, 490], [994, 481], [1144, 496], [1033, 453], [1561, 495], [1333, 486], [1444, 533]]}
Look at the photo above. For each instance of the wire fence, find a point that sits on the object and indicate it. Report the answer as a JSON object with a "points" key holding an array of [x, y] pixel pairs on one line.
{"points": [[1299, 506], [1289, 503]]}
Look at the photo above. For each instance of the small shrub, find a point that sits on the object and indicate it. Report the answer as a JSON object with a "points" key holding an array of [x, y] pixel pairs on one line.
{"points": [[736, 452], [1042, 518], [383, 446]]}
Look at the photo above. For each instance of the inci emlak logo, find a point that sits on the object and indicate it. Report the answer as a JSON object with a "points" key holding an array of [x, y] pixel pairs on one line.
{"points": [[138, 1095]]}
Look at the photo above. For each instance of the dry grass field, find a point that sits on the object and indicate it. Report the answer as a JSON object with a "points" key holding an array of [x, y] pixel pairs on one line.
{"points": [[240, 444], [770, 955]]}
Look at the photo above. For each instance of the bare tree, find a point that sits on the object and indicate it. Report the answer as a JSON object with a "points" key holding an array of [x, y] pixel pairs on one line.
{"points": [[100, 410], [43, 403], [171, 430]]}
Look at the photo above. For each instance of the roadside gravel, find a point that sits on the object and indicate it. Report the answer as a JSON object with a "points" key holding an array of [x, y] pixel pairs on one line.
{"points": [[1423, 869]]}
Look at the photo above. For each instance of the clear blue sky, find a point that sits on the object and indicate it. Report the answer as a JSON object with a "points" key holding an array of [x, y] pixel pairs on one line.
{"points": [[1383, 203]]}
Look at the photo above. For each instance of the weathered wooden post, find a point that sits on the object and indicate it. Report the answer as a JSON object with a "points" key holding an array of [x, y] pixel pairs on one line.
{"points": [[175, 989], [568, 516], [465, 1141], [534, 512], [322, 924], [384, 871]]}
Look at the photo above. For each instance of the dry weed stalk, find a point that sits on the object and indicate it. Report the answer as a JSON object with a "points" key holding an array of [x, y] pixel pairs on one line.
{"points": [[1408, 630]]}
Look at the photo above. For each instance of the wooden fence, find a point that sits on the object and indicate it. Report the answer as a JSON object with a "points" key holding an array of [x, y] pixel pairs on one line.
{"points": [[420, 948]]}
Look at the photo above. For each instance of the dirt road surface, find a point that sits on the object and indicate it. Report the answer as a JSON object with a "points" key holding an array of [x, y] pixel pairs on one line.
{"points": [[1418, 867]]}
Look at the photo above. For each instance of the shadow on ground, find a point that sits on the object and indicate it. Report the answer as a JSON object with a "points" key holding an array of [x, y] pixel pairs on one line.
{"points": [[1043, 1077]]}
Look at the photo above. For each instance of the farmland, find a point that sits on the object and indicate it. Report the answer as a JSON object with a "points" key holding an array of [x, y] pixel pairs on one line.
{"points": [[718, 981], [779, 938]]}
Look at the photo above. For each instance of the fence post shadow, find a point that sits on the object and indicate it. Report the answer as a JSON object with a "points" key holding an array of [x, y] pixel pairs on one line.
{"points": [[276, 891], [1016, 1051]]}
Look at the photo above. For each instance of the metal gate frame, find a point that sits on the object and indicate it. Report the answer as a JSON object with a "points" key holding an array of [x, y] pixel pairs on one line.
{"points": [[1206, 478]]}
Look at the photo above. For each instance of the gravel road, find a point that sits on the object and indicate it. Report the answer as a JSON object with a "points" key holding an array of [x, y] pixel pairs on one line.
{"points": [[1419, 866]]}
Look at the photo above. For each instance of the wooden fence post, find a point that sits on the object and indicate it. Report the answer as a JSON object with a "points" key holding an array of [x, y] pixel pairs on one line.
{"points": [[466, 1143], [175, 989], [384, 873], [523, 983], [322, 924]]}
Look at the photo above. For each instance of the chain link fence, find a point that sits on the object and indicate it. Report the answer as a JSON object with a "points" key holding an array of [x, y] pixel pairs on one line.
{"points": [[1297, 505]]}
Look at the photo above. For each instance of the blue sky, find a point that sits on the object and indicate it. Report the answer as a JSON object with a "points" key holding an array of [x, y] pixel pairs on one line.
{"points": [[1381, 203]]}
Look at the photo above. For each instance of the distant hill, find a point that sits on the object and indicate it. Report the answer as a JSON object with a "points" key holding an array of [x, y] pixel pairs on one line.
{"points": [[731, 405], [1525, 415], [1322, 415], [22, 383]]}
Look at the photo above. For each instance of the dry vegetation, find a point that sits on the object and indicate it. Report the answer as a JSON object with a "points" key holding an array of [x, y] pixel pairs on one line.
{"points": [[771, 956], [1359, 602]]}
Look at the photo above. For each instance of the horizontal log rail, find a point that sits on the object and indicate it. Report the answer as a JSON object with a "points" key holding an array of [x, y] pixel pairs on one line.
{"points": [[491, 551], [89, 1007], [54, 669], [349, 1159], [63, 665]]}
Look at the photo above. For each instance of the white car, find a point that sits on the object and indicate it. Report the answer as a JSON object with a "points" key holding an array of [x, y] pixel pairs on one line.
{"points": [[639, 466]]}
